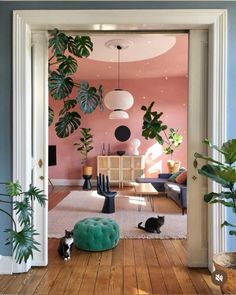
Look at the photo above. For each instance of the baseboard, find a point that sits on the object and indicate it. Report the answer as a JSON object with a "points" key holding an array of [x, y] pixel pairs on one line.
{"points": [[67, 182], [6, 265]]}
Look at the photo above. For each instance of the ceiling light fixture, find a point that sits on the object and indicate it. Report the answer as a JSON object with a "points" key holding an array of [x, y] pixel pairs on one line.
{"points": [[118, 100]]}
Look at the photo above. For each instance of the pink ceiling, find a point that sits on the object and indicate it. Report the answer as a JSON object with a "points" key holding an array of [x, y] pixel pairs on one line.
{"points": [[173, 63]]}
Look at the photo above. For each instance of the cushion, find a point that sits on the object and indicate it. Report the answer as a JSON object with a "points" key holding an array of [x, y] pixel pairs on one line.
{"points": [[173, 176], [182, 178], [96, 234]]}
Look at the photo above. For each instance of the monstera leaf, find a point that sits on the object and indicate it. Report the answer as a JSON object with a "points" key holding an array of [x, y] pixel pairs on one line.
{"points": [[50, 116], [68, 104], [83, 46], [58, 42], [88, 97], [68, 65], [67, 124], [229, 150], [60, 86]]}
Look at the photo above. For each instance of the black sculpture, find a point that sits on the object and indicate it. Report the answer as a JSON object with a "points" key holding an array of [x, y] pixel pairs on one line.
{"points": [[103, 189]]}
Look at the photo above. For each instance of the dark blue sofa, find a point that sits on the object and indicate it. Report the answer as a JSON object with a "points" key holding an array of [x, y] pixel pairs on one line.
{"points": [[177, 192]]}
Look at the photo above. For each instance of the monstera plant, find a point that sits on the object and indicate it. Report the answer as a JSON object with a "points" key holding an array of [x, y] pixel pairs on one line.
{"points": [[224, 173], [153, 128], [22, 239], [63, 65]]}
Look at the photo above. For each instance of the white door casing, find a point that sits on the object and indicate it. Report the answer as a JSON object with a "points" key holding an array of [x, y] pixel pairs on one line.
{"points": [[102, 20], [40, 140]]}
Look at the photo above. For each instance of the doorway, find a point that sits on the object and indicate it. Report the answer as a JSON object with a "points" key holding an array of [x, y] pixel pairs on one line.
{"points": [[215, 81]]}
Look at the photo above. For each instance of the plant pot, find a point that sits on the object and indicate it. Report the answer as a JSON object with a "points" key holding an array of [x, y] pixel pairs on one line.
{"points": [[87, 170], [226, 262], [173, 166]]}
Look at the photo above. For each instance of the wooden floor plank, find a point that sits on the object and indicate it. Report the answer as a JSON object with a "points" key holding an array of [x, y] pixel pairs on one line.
{"points": [[106, 258], [116, 284], [143, 279], [139, 254], [181, 272], [198, 281], [150, 254], [130, 280], [118, 254], [171, 282], [89, 280], [129, 252], [32, 281], [62, 280], [181, 250], [14, 285], [157, 280], [103, 280]]}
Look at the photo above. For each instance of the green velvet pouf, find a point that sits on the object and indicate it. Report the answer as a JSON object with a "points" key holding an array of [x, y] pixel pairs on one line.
{"points": [[96, 234]]}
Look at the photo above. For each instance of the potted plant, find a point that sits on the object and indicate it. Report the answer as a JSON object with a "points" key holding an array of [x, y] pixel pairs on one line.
{"points": [[63, 65], [22, 240], [153, 128], [223, 173], [84, 147]]}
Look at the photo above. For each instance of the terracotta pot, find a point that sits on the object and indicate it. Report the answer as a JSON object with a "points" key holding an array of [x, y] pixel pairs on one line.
{"points": [[87, 170], [173, 166], [226, 262]]}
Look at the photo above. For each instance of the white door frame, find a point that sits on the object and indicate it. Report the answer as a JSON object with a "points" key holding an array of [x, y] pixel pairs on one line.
{"points": [[214, 20]]}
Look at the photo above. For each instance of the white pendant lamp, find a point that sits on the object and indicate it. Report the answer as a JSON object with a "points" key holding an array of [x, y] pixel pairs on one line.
{"points": [[118, 100]]}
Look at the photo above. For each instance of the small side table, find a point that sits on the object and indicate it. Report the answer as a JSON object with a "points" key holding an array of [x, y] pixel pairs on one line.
{"points": [[87, 183]]}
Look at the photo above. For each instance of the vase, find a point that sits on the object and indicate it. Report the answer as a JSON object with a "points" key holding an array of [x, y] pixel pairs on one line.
{"points": [[226, 263], [173, 166]]}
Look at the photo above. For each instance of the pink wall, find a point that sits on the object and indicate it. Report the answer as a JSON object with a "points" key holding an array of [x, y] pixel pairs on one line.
{"points": [[170, 95]]}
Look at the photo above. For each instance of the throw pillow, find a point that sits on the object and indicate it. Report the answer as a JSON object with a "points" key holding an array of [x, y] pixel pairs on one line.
{"points": [[182, 178], [173, 176]]}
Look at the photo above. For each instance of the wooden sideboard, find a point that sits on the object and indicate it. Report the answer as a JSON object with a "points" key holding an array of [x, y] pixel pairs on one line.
{"points": [[121, 170]]}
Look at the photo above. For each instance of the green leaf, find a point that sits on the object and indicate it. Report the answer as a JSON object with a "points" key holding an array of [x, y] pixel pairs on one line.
{"points": [[200, 156], [81, 46], [23, 243], [229, 150], [24, 211], [60, 86], [88, 98], [36, 194], [226, 223], [50, 116], [58, 42], [67, 124], [68, 104], [220, 174], [13, 188], [232, 232], [68, 65]]}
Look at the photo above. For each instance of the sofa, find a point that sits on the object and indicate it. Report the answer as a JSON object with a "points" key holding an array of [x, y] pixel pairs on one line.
{"points": [[175, 191]]}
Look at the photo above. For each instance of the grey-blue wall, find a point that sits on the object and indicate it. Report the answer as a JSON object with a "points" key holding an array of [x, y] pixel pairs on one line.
{"points": [[6, 9]]}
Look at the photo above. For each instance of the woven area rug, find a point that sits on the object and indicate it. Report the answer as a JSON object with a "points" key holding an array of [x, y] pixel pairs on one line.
{"points": [[82, 204]]}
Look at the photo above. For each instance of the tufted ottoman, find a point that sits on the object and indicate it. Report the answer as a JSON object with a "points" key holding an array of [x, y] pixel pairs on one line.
{"points": [[96, 234]]}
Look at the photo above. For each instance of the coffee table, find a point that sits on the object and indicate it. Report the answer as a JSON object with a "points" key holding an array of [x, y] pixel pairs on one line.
{"points": [[145, 190]]}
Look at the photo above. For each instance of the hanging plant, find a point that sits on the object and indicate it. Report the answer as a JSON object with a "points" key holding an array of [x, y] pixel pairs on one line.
{"points": [[61, 82]]}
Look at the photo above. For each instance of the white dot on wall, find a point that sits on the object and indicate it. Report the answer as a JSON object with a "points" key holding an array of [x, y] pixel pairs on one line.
{"points": [[98, 75], [144, 97], [166, 78], [162, 91], [147, 63], [184, 104], [106, 133], [109, 67]]}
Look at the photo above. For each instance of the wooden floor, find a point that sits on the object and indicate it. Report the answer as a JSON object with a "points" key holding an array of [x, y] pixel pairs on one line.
{"points": [[133, 267]]}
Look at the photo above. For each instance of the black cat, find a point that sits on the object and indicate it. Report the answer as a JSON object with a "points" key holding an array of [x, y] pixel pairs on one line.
{"points": [[153, 224], [65, 245]]}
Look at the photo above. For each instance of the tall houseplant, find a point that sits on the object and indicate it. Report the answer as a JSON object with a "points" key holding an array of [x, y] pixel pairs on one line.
{"points": [[223, 173], [84, 147], [153, 128], [22, 240], [63, 65]]}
